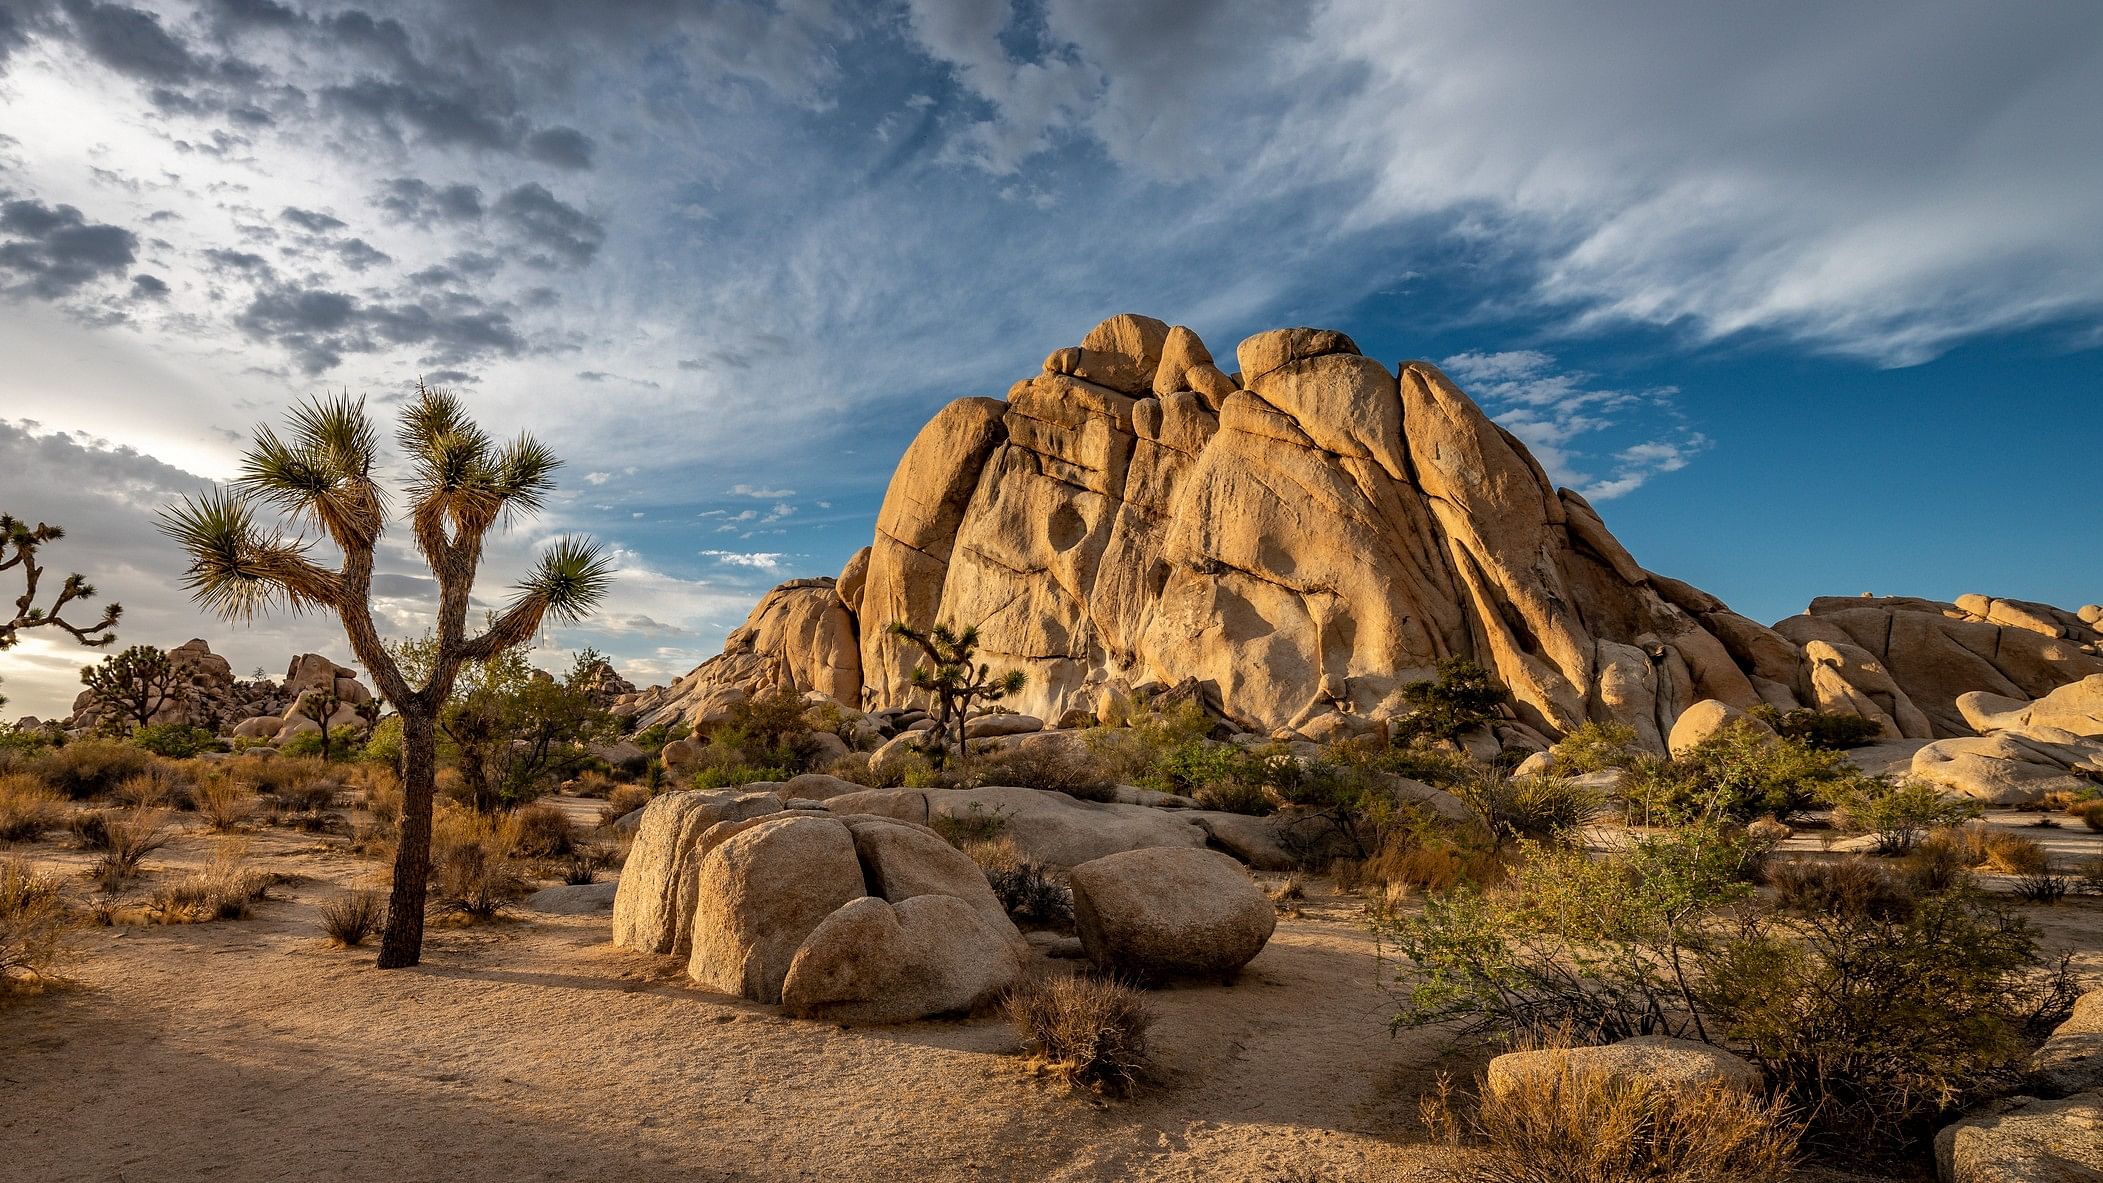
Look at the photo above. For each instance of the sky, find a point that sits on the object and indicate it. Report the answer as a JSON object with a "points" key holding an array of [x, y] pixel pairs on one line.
{"points": [[1808, 298]]}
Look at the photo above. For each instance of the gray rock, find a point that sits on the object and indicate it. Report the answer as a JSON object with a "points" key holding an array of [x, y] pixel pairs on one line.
{"points": [[583, 899]]}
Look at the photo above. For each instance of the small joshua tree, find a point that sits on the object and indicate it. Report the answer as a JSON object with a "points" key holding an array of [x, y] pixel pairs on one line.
{"points": [[321, 706], [462, 483], [131, 686], [953, 681]]}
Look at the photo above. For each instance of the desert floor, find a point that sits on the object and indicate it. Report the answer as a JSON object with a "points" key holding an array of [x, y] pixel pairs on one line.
{"points": [[531, 1049]]}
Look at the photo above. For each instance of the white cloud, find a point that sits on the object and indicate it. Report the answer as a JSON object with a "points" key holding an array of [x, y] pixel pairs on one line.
{"points": [[760, 493], [1562, 416], [759, 560]]}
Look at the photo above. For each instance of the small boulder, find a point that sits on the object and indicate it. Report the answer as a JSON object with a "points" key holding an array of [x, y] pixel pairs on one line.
{"points": [[900, 862], [581, 899], [2071, 1060], [1170, 912], [1703, 720], [872, 961], [2025, 1140], [1652, 1059], [988, 726]]}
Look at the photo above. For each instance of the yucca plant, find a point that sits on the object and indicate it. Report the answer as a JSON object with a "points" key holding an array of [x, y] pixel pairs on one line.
{"points": [[461, 484], [953, 681]]}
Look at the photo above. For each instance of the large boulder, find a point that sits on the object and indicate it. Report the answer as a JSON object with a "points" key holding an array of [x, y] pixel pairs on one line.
{"points": [[1170, 912], [2071, 1060], [1060, 831], [2012, 767], [873, 961], [1659, 1060], [2025, 1140], [760, 894], [1704, 721], [902, 862], [2076, 707], [654, 909]]}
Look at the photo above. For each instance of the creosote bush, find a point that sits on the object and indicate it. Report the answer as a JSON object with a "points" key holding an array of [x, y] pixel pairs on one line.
{"points": [[1739, 774], [1582, 1125], [28, 807], [1826, 730], [1897, 813], [88, 768], [352, 917], [1088, 1031], [1596, 747], [33, 926]]}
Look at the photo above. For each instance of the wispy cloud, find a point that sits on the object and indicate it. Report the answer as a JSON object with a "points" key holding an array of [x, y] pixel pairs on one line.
{"points": [[1564, 416]]}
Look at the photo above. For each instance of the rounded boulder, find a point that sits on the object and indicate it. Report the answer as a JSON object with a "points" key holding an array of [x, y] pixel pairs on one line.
{"points": [[1170, 912]]}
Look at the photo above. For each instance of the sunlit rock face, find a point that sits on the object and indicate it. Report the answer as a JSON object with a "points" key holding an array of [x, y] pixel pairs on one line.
{"points": [[1306, 536]]}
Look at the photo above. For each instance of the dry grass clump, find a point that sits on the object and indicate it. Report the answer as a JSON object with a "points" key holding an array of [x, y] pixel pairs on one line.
{"points": [[1088, 1031], [621, 801], [352, 917], [2090, 812], [585, 862], [224, 890], [1431, 863], [473, 873], [1585, 1126], [1986, 847], [88, 768], [28, 807], [127, 836], [224, 803], [1839, 887], [32, 926], [541, 830], [1055, 767]]}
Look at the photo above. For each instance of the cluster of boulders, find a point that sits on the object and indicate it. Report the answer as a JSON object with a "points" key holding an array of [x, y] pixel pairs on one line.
{"points": [[1302, 538], [208, 695], [838, 902]]}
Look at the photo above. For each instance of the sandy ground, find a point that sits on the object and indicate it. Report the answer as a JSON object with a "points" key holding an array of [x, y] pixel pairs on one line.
{"points": [[532, 1049]]}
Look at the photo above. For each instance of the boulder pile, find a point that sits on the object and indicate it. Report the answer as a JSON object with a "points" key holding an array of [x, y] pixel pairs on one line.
{"points": [[1298, 540], [208, 695]]}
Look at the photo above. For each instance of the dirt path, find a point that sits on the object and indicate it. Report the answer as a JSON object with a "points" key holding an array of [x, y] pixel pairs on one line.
{"points": [[533, 1050]]}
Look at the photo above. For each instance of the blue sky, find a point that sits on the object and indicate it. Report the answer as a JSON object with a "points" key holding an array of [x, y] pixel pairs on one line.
{"points": [[1806, 298]]}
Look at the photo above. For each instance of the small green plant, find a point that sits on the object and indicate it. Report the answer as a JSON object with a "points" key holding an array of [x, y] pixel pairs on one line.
{"points": [[175, 741], [1542, 808], [976, 824], [1461, 696], [1089, 1032], [1825, 730], [1596, 747], [1896, 813]]}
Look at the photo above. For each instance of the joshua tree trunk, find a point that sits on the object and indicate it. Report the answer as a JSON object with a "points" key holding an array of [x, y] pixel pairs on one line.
{"points": [[402, 944]]}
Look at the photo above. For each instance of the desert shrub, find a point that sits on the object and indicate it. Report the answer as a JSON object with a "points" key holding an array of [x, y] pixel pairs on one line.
{"points": [[28, 807], [1847, 886], [223, 890], [1033, 899], [1826, 730], [225, 803], [541, 830], [1897, 813], [1583, 1125], [300, 786], [163, 785], [176, 741], [768, 731], [1462, 695], [1543, 808], [128, 836], [1596, 747], [1166, 750], [1057, 767], [353, 916], [895, 771], [622, 801], [1429, 765], [2041, 887], [1089, 1032], [737, 775], [584, 864], [1420, 853], [2090, 812], [473, 874], [2011, 854], [90, 829], [88, 768], [592, 783], [1740, 773], [343, 743], [1874, 1018], [975, 824], [33, 925]]}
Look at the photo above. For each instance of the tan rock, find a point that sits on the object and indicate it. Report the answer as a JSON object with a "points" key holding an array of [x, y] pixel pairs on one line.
{"points": [[2071, 1060], [851, 580], [1258, 355], [1657, 1060], [2025, 1140], [760, 894], [1057, 830], [1166, 913], [1705, 719], [653, 911], [877, 962], [902, 861]]}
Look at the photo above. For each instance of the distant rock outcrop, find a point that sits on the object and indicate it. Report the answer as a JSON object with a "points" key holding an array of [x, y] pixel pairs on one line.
{"points": [[1304, 538], [209, 696]]}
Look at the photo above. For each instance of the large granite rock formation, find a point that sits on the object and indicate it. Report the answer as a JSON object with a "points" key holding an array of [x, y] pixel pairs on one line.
{"points": [[1304, 538]]}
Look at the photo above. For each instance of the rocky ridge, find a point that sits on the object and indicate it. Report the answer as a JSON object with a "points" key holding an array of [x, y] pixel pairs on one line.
{"points": [[1302, 538]]}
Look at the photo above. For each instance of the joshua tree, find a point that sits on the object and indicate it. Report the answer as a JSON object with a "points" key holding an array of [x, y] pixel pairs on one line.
{"points": [[18, 545], [461, 484], [133, 685], [320, 706], [950, 677]]}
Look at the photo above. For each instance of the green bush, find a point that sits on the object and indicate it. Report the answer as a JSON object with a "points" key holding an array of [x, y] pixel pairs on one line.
{"points": [[1898, 813], [1461, 696], [384, 745], [1596, 747], [1825, 730], [768, 731], [1741, 773], [176, 741], [737, 775], [1055, 767], [1875, 1017], [1543, 808]]}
